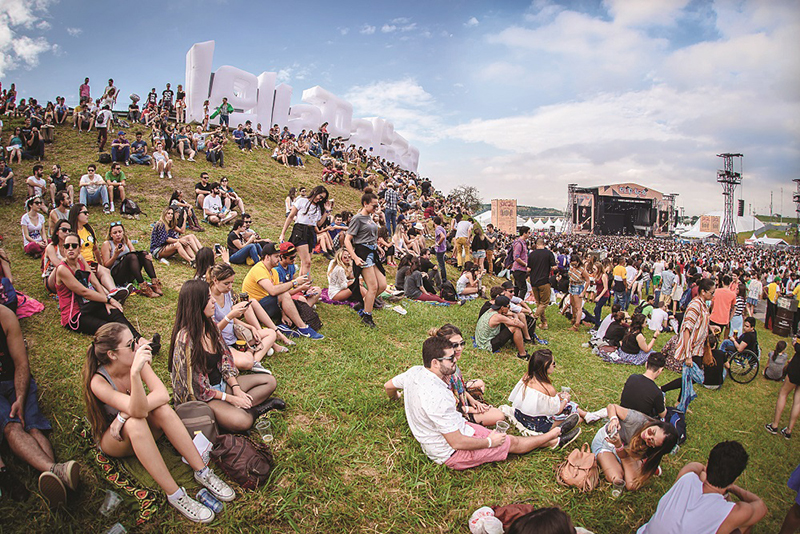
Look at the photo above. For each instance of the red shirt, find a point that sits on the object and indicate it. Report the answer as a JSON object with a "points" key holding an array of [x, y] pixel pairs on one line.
{"points": [[721, 305]]}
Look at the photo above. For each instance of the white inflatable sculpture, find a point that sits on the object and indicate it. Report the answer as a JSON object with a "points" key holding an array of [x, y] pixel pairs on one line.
{"points": [[259, 100]]}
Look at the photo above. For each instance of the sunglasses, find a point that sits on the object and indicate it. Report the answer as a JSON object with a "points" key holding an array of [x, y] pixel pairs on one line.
{"points": [[459, 345], [448, 358], [130, 344], [83, 213], [38, 202], [115, 223], [69, 246], [64, 229]]}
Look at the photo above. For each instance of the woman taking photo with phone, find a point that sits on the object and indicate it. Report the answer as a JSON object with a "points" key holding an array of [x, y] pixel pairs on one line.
{"points": [[126, 420], [202, 368], [126, 263], [306, 212]]}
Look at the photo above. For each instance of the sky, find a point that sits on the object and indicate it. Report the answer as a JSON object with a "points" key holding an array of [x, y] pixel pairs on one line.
{"points": [[515, 98]]}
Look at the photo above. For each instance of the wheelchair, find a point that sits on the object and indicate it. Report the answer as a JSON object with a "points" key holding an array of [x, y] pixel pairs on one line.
{"points": [[743, 366]]}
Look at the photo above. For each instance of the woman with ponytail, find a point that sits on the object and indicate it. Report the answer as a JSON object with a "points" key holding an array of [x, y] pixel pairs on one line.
{"points": [[127, 420]]}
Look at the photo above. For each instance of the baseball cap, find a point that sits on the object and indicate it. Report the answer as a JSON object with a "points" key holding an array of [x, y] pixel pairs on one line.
{"points": [[287, 248], [120, 133], [500, 301], [508, 284], [268, 249]]}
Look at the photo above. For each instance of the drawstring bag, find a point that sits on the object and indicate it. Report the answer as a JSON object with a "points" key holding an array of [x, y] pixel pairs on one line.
{"points": [[579, 470]]}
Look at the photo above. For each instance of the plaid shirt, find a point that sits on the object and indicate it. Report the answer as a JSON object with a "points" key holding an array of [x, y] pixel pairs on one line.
{"points": [[391, 199]]}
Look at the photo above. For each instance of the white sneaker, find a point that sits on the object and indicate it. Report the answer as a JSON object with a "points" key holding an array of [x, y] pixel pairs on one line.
{"points": [[591, 417], [258, 368], [215, 485], [191, 509], [169, 175], [161, 175]]}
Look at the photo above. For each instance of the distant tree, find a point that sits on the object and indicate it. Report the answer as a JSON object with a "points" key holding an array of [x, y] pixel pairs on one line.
{"points": [[467, 195]]}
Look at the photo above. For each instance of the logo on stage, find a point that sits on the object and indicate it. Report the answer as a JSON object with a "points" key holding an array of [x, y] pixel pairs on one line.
{"points": [[504, 215]]}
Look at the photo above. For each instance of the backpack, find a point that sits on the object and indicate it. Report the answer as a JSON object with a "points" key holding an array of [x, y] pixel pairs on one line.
{"points": [[245, 462], [579, 470], [104, 158], [509, 259], [129, 207], [197, 416], [678, 420], [448, 291], [685, 299], [308, 315], [640, 307]]}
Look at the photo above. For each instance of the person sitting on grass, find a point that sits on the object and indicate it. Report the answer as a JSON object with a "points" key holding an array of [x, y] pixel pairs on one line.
{"points": [[469, 395], [413, 285], [776, 364], [22, 423], [630, 446], [634, 349], [220, 280], [178, 202], [538, 407], [213, 210], [441, 430], [698, 502], [54, 254], [469, 283], [341, 283], [33, 227], [489, 334], [79, 222], [641, 393], [202, 368], [241, 248], [161, 161], [165, 240], [127, 420], [126, 263]]}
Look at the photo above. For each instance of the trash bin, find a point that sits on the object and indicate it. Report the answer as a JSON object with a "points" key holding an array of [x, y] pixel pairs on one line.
{"points": [[784, 316]]}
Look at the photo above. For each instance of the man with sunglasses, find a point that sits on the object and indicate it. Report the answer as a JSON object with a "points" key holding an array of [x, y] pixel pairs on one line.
{"points": [[444, 434], [93, 189]]}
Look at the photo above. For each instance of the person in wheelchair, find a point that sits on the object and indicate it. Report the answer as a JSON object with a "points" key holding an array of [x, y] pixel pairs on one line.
{"points": [[748, 340]]}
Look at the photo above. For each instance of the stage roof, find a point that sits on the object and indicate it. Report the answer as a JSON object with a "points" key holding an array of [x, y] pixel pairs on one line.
{"points": [[625, 190]]}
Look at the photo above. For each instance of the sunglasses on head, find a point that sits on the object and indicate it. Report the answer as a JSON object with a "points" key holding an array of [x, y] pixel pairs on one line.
{"points": [[38, 202], [115, 223], [69, 246]]}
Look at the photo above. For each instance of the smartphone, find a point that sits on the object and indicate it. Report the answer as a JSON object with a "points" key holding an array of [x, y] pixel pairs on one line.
{"points": [[217, 248]]}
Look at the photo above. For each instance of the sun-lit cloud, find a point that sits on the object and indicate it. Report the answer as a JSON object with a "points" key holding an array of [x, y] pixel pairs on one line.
{"points": [[366, 29], [74, 32], [16, 48], [471, 23]]}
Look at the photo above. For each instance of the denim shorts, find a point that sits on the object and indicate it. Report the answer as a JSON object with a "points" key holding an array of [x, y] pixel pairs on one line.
{"points": [[478, 253], [219, 387], [540, 423], [575, 289], [599, 443], [369, 261], [752, 302], [33, 416]]}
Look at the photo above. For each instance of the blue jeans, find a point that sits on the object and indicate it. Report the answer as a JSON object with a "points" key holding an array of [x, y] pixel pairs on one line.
{"points": [[116, 153], [8, 188], [727, 346], [140, 159], [598, 311], [391, 220], [442, 265], [223, 120], [98, 197], [252, 250]]}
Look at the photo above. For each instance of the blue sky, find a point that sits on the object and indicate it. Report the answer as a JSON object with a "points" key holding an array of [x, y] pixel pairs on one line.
{"points": [[515, 98]]}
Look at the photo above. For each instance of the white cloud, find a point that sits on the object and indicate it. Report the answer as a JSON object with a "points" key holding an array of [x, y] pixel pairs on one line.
{"points": [[400, 20], [366, 29], [74, 32], [388, 28], [471, 23], [344, 31], [645, 13], [16, 16]]}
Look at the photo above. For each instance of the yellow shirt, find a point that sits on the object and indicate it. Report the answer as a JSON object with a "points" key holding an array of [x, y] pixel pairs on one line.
{"points": [[87, 245], [258, 272], [772, 292], [796, 291], [620, 272]]}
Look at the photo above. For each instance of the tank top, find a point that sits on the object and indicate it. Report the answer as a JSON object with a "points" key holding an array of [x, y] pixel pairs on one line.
{"points": [[485, 333], [68, 302], [125, 250], [212, 364], [228, 335], [110, 411], [630, 345], [629, 426]]}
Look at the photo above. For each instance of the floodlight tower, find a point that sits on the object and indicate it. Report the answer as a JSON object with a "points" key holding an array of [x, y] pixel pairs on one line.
{"points": [[729, 178], [568, 222], [796, 198]]}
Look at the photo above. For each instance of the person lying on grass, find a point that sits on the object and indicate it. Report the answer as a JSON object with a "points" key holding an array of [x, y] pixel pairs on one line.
{"points": [[126, 420], [442, 432]]}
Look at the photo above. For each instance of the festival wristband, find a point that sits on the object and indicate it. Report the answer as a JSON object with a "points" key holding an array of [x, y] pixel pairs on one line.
{"points": [[121, 419], [490, 442], [224, 396]]}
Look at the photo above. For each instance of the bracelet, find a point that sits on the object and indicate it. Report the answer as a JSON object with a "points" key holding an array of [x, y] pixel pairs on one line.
{"points": [[490, 442], [236, 386], [612, 418], [224, 396], [121, 419]]}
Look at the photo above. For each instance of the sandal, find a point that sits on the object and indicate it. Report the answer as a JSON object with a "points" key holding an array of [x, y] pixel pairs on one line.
{"points": [[278, 348]]}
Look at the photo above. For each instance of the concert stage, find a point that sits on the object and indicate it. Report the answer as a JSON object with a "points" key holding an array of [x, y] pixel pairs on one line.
{"points": [[622, 209]]}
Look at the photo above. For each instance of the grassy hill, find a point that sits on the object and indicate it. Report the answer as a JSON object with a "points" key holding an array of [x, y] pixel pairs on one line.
{"points": [[346, 460], [529, 211]]}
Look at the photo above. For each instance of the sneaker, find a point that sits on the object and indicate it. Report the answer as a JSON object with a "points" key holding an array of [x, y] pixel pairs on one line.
{"points": [[569, 437], [121, 293], [366, 318], [659, 471], [11, 486], [570, 423], [525, 356], [190, 159], [52, 489], [591, 417], [161, 175], [539, 340], [771, 429], [69, 473], [258, 368], [169, 175], [785, 433], [215, 485], [288, 331], [273, 403], [106, 209], [191, 509], [310, 332]]}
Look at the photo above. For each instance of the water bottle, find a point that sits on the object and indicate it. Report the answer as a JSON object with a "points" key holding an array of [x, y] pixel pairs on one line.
{"points": [[206, 498], [116, 528]]}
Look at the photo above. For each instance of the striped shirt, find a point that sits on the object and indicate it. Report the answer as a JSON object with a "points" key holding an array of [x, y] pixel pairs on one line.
{"points": [[695, 321]]}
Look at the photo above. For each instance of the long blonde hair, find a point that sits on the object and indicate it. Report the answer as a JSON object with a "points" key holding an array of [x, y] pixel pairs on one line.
{"points": [[105, 339], [339, 260]]}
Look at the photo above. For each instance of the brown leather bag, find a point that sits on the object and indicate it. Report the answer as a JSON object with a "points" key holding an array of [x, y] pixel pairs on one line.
{"points": [[579, 470], [246, 462]]}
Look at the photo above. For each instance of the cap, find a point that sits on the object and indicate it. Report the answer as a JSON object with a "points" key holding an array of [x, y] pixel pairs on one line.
{"points": [[501, 301], [268, 249], [287, 248], [508, 284], [120, 133]]}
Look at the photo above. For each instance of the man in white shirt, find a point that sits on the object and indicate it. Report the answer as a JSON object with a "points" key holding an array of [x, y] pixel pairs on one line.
{"points": [[658, 318], [463, 233], [37, 182], [93, 189], [101, 122], [696, 503], [213, 209], [445, 436]]}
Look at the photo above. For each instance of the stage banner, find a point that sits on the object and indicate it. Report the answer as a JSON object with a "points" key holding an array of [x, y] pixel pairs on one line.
{"points": [[504, 215], [584, 216], [628, 191], [661, 227], [709, 223]]}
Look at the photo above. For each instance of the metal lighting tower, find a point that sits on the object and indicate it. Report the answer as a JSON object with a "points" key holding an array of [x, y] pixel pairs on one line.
{"points": [[729, 179], [568, 221], [796, 198]]}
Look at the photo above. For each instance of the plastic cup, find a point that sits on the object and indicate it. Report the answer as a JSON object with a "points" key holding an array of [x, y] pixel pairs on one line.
{"points": [[110, 503], [566, 389], [502, 427], [617, 488], [264, 429], [116, 528]]}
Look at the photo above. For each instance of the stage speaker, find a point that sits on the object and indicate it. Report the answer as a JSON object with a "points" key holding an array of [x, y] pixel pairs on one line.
{"points": [[740, 211]]}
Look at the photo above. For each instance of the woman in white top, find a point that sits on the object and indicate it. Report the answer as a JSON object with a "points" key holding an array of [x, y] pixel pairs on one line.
{"points": [[306, 212], [161, 161], [341, 283], [32, 227], [54, 254], [537, 405]]}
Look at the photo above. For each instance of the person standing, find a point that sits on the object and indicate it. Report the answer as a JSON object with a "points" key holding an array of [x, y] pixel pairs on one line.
{"points": [[390, 199], [491, 241], [440, 247], [361, 241], [463, 234], [540, 263], [519, 265]]}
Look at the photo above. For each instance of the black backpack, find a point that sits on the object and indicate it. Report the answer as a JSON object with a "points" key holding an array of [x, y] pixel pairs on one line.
{"points": [[104, 158], [678, 420], [448, 291], [129, 207]]}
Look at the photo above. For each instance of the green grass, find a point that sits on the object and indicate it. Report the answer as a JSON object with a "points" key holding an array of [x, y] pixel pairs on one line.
{"points": [[346, 460]]}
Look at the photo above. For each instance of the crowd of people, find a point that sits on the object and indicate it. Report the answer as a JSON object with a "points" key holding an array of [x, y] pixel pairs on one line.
{"points": [[707, 295]]}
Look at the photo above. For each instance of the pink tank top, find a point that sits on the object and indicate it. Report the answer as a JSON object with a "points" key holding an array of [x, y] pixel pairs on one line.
{"points": [[69, 304]]}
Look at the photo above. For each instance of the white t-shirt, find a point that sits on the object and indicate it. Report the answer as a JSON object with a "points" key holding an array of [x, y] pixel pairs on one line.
{"points": [[604, 324], [755, 289], [656, 320], [214, 205], [658, 267], [303, 204], [39, 184], [430, 411], [463, 229], [685, 508], [92, 185], [34, 230], [631, 272], [103, 118]]}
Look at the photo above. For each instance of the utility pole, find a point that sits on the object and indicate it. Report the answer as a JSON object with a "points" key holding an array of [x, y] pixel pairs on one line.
{"points": [[781, 213], [771, 213]]}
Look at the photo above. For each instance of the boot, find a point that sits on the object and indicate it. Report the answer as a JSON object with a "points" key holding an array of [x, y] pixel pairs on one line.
{"points": [[155, 284], [146, 290]]}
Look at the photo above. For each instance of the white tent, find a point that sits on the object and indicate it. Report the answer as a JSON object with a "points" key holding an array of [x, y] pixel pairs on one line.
{"points": [[538, 225], [771, 241], [747, 223], [559, 225], [549, 223], [530, 224], [484, 218]]}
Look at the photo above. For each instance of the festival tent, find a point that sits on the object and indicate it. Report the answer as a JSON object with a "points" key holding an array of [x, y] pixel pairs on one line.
{"points": [[538, 225], [771, 242], [559, 225], [549, 223], [530, 224], [483, 218]]}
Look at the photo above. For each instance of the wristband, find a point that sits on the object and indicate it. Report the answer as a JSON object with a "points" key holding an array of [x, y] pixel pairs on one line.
{"points": [[236, 386], [490, 442], [224, 396], [612, 418], [121, 419]]}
